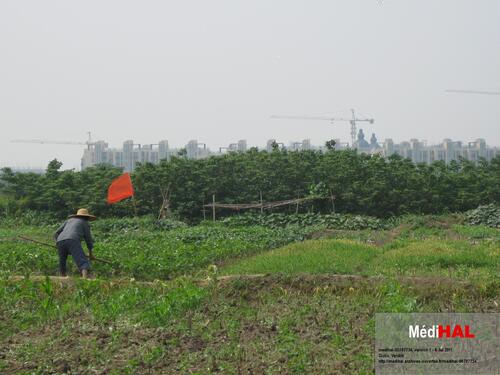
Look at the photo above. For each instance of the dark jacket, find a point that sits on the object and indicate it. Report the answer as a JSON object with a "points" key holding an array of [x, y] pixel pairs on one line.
{"points": [[77, 229]]}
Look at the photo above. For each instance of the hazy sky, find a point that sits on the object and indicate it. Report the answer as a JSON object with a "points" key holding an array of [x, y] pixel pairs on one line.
{"points": [[216, 70]]}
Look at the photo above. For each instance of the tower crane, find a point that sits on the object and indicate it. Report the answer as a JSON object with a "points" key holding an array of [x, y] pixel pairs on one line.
{"points": [[88, 143], [352, 121], [475, 92]]}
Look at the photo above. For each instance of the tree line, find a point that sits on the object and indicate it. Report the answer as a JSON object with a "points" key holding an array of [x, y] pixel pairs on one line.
{"points": [[344, 181]]}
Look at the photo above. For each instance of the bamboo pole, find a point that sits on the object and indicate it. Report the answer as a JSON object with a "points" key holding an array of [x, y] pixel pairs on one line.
{"points": [[213, 207], [55, 247], [135, 205], [332, 197]]}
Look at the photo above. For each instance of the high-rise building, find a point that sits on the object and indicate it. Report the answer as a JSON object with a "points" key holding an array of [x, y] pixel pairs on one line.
{"points": [[242, 145], [163, 150]]}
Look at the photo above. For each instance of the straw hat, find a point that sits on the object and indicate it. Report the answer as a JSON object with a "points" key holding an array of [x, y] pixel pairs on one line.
{"points": [[83, 212]]}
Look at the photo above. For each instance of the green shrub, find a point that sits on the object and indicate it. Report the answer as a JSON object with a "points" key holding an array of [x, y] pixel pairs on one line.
{"points": [[488, 215], [29, 217]]}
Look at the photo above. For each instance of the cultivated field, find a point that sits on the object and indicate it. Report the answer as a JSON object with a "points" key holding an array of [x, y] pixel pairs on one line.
{"points": [[228, 298]]}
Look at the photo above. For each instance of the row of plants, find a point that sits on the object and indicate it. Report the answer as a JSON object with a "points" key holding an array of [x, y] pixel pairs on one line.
{"points": [[146, 222], [332, 221], [340, 181], [30, 302], [142, 253], [43, 218], [28, 217]]}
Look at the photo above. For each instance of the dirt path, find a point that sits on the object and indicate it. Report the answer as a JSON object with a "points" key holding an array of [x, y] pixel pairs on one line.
{"points": [[331, 278]]}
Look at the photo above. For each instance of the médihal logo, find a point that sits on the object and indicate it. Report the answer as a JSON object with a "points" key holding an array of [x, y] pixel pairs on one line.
{"points": [[441, 331]]}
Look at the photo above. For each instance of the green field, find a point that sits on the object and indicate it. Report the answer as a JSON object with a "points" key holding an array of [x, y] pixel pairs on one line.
{"points": [[455, 258], [142, 250], [292, 300]]}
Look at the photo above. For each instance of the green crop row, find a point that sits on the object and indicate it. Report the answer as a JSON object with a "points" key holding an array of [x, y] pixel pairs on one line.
{"points": [[29, 302], [146, 248], [140, 252], [334, 221]]}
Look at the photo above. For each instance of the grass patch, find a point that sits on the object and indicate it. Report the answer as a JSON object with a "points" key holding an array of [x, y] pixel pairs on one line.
{"points": [[316, 256], [409, 257]]}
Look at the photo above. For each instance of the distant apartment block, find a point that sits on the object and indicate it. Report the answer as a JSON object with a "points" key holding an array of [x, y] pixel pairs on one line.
{"points": [[128, 156], [132, 153], [447, 151], [418, 151], [421, 152]]}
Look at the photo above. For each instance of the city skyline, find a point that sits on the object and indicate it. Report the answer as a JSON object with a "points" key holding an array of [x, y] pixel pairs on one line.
{"points": [[206, 150], [419, 151]]}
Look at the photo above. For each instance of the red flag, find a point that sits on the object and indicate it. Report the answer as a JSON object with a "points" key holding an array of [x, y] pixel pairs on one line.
{"points": [[120, 189]]}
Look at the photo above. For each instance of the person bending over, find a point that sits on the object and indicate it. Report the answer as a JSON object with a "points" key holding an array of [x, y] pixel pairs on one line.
{"points": [[68, 240]]}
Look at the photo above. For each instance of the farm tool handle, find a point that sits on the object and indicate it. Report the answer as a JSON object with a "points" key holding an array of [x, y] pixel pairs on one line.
{"points": [[55, 247], [38, 242]]}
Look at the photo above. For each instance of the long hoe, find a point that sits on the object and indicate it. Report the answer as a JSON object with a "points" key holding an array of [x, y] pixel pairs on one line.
{"points": [[55, 247]]}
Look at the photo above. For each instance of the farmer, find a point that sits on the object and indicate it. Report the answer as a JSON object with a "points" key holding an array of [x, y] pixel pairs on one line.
{"points": [[68, 237]]}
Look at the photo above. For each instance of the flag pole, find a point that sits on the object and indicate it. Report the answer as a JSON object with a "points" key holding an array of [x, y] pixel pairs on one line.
{"points": [[135, 205]]}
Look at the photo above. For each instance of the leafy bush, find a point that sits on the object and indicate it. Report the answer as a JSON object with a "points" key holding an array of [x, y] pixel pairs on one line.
{"points": [[136, 223], [28, 217], [488, 215], [334, 221]]}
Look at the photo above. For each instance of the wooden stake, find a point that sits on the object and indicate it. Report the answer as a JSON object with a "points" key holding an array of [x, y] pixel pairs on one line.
{"points": [[332, 197], [135, 205], [160, 212], [203, 209], [213, 207]]}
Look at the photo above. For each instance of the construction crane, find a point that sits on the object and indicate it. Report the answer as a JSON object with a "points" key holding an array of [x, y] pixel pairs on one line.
{"points": [[475, 92], [352, 121], [88, 143]]}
